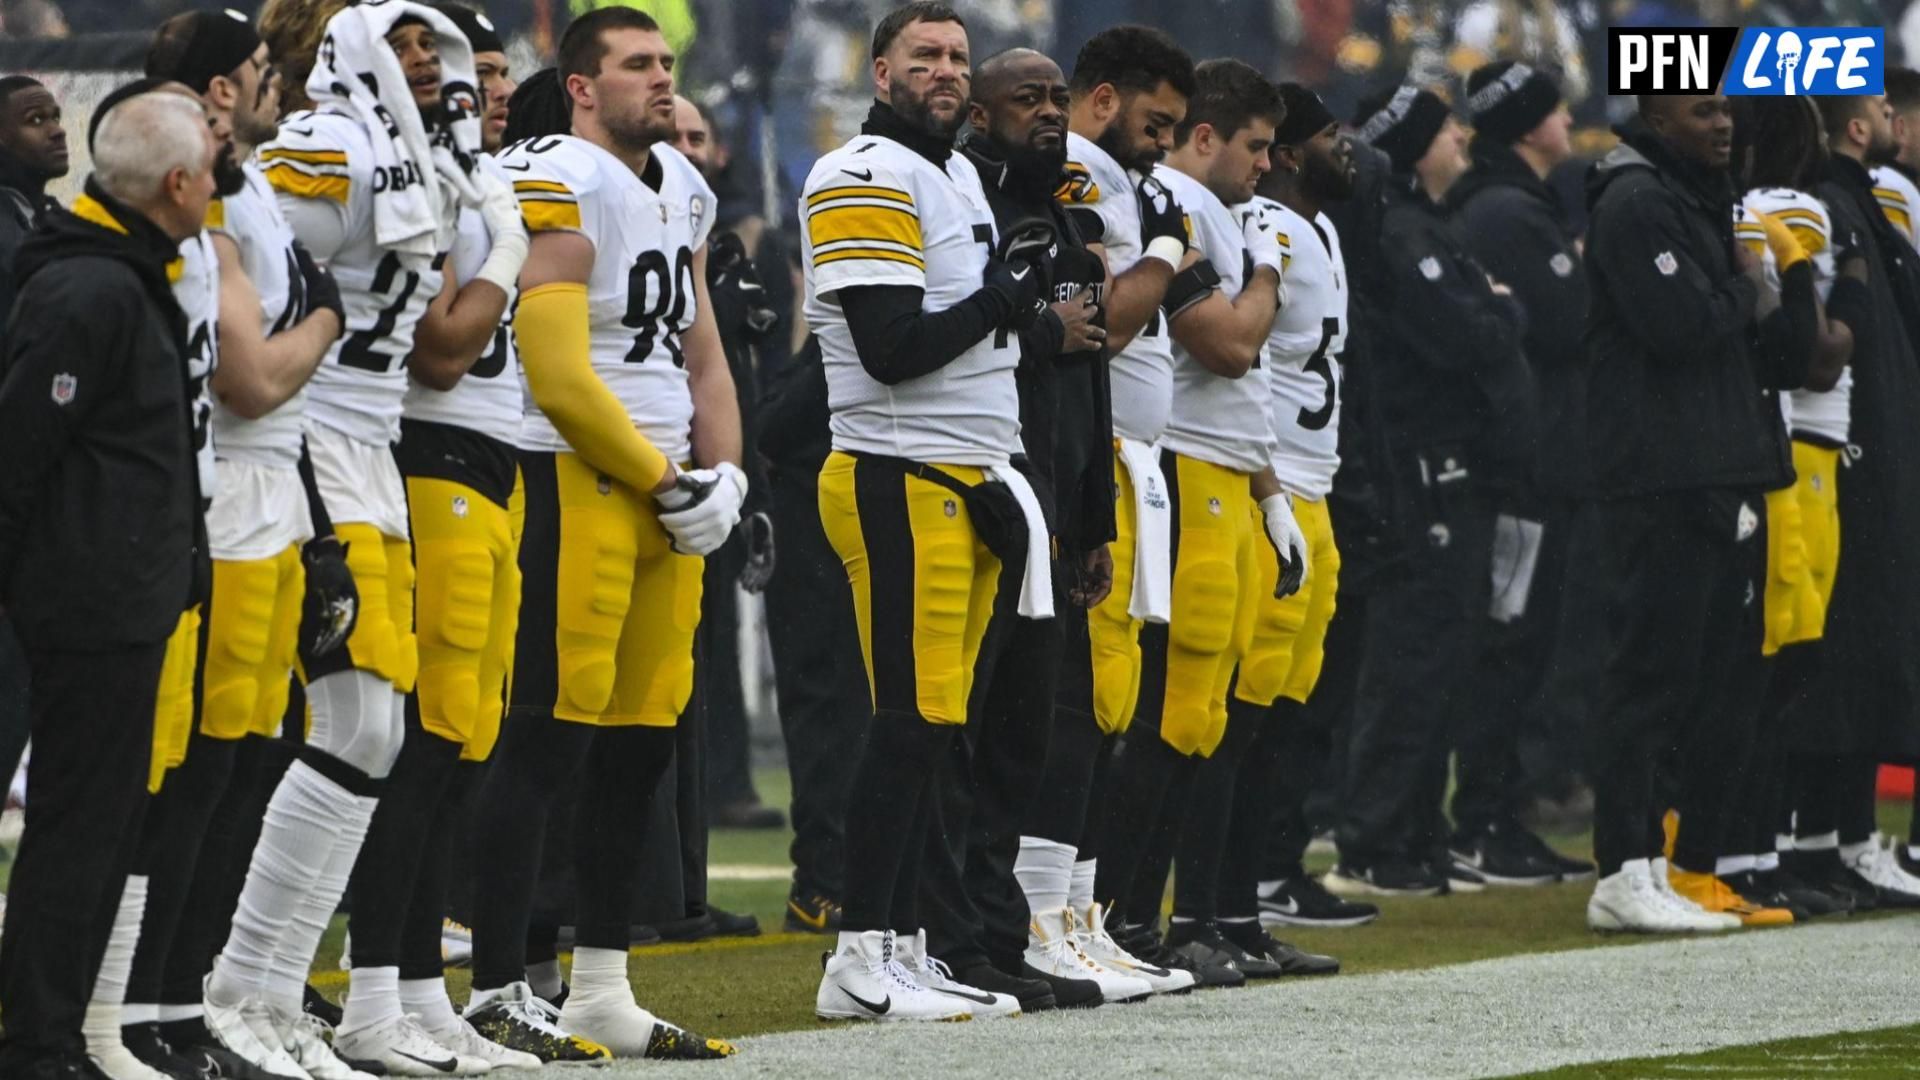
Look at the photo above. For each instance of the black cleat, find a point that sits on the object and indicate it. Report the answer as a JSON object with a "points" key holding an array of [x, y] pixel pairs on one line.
{"points": [[1389, 877], [191, 1042], [672, 1043], [1203, 943], [520, 1020], [1209, 973], [1824, 871], [810, 912], [1034, 995], [1254, 940], [1500, 857], [316, 1004], [1067, 993], [1303, 901]]}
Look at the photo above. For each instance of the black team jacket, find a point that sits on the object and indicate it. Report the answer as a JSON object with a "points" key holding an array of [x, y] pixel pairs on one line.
{"points": [[1066, 415], [102, 543]]}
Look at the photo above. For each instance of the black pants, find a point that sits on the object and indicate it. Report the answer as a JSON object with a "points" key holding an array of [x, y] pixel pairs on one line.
{"points": [[1424, 622], [1065, 805], [971, 905], [825, 705], [1557, 750], [1685, 619], [16, 715], [92, 742], [673, 859], [1310, 733], [728, 766]]}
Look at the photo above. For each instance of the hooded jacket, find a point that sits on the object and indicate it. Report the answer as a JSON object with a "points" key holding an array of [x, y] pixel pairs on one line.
{"points": [[1671, 381], [1515, 227], [101, 536]]}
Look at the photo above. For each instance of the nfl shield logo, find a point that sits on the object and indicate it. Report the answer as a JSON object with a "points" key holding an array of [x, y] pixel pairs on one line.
{"points": [[1213, 507], [64, 386], [1746, 524], [1430, 268], [459, 506], [1666, 263], [1562, 264]]}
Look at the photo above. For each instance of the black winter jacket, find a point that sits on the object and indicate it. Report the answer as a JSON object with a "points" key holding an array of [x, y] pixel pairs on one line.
{"points": [[1671, 378], [1515, 227], [101, 537]]}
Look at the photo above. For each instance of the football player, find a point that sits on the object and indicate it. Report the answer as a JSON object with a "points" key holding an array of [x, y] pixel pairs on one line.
{"points": [[371, 181], [458, 428], [1129, 89], [624, 364], [916, 306], [278, 314], [1216, 456]]}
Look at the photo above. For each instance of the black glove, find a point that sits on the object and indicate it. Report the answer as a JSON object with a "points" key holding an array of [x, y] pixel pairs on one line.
{"points": [[1160, 213], [332, 603], [1023, 285], [729, 268], [757, 530], [322, 291]]}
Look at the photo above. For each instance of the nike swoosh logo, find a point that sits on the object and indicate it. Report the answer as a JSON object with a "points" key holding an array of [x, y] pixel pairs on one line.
{"points": [[1021, 274], [1291, 907], [525, 166], [818, 922], [886, 1003], [978, 999], [446, 1066], [868, 175], [299, 131]]}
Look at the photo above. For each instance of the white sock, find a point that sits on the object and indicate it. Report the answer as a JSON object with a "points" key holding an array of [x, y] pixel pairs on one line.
{"points": [[1728, 865], [1238, 920], [1266, 889], [1782, 841], [1044, 870], [1080, 893], [600, 971], [1826, 841], [373, 995], [1638, 864], [479, 999], [1913, 851], [139, 1012], [170, 1013], [545, 979], [1850, 852], [427, 999], [849, 939], [102, 1023], [1767, 863], [297, 836], [287, 983]]}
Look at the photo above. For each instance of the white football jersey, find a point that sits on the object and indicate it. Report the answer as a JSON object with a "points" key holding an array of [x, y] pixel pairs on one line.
{"points": [[251, 218], [1142, 373], [487, 398], [1826, 414], [876, 213], [640, 296], [1303, 350], [324, 160], [197, 290], [1899, 200], [1223, 421]]}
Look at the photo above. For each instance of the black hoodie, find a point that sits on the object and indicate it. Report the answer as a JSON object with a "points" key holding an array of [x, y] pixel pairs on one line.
{"points": [[1515, 227], [1672, 383], [101, 538]]}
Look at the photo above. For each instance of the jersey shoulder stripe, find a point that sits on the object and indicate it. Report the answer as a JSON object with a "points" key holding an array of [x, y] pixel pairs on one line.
{"points": [[317, 156], [859, 209], [550, 176]]}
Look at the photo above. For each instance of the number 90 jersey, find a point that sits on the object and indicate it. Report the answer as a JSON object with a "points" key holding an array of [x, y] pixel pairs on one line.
{"points": [[322, 168], [1308, 336], [640, 297]]}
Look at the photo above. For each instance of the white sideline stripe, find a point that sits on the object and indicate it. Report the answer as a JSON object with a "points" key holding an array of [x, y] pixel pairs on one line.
{"points": [[1488, 1018], [748, 872]]}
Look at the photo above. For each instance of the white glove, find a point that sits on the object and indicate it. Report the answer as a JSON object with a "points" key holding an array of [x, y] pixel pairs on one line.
{"points": [[1258, 230], [501, 213], [702, 507], [1289, 543]]}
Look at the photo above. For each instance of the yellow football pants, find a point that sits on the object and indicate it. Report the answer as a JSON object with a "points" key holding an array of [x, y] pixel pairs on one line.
{"points": [[382, 641], [1115, 634], [467, 599], [1803, 548], [1214, 578], [173, 706], [1290, 635], [923, 583], [253, 628]]}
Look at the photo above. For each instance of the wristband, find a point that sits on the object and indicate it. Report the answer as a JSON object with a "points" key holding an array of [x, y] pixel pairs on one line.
{"points": [[1167, 249], [1189, 287]]}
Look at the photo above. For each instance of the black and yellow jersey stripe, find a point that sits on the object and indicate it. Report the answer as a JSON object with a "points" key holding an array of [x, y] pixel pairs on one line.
{"points": [[547, 205], [307, 174], [864, 222]]}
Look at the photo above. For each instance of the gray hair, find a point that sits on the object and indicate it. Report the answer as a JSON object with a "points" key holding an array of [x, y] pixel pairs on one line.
{"points": [[146, 137]]}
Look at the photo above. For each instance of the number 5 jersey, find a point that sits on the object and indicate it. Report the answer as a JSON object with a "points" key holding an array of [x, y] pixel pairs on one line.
{"points": [[1303, 351], [645, 230]]}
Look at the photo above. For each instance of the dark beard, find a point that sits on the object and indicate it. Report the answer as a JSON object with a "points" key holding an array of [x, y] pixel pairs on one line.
{"points": [[919, 114], [1883, 153], [1324, 181], [1034, 173], [228, 176], [1114, 142]]}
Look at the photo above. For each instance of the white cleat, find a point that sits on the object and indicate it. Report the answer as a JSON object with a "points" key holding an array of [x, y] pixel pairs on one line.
{"points": [[937, 977], [401, 1046], [1053, 949], [109, 1054], [1091, 937], [1628, 901], [248, 1030], [305, 1036], [867, 980], [1693, 913], [1882, 869], [466, 1042], [614, 1020]]}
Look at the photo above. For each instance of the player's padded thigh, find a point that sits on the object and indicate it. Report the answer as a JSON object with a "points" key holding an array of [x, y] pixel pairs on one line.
{"points": [[1114, 634], [461, 539], [1818, 489], [496, 660], [173, 704], [599, 545], [1288, 648], [240, 632], [838, 504], [947, 618], [375, 644], [1206, 596], [653, 672]]}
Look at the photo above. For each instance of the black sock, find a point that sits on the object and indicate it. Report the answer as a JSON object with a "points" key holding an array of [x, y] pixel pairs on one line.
{"points": [[883, 813], [1210, 806], [387, 872], [1252, 823], [610, 829], [1149, 890], [1142, 766]]}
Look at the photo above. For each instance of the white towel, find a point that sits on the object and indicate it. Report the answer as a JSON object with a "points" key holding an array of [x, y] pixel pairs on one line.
{"points": [[357, 72], [1036, 584], [1152, 598]]}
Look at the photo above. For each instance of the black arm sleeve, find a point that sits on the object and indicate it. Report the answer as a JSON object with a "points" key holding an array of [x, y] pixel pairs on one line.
{"points": [[1786, 337], [322, 521], [1851, 302], [897, 341]]}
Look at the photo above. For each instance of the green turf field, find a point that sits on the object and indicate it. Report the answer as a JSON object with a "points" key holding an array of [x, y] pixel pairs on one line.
{"points": [[1857, 1055]]}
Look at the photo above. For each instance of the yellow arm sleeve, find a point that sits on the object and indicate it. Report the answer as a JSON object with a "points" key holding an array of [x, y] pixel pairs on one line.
{"points": [[551, 330], [1786, 248]]}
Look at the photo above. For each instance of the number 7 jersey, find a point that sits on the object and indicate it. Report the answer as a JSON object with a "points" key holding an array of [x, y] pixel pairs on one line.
{"points": [[640, 295]]}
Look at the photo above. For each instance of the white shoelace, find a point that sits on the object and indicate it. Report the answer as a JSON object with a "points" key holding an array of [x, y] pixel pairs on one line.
{"points": [[535, 1012], [1879, 866]]}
